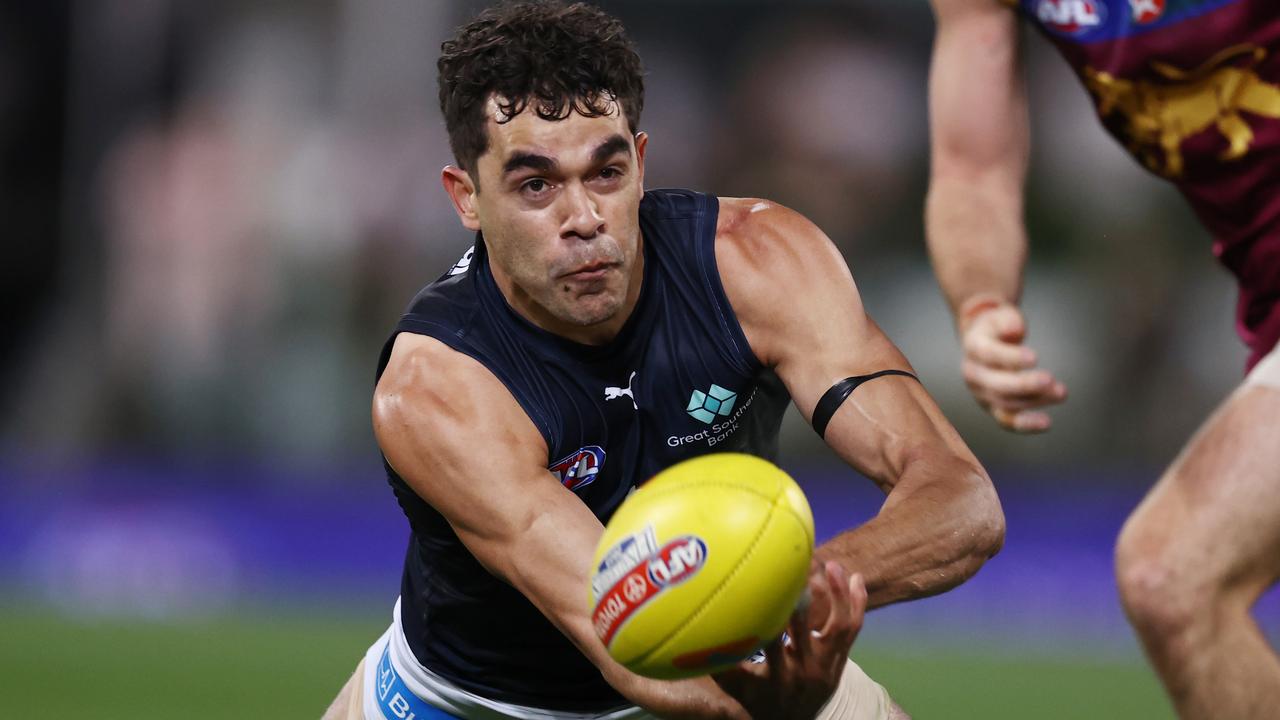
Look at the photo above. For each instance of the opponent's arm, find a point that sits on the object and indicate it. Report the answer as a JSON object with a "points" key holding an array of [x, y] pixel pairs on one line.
{"points": [[802, 315], [433, 410], [979, 140]]}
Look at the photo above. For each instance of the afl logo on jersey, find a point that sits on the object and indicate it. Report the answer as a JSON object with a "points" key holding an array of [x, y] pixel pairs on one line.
{"points": [[1071, 17], [579, 469], [1146, 12]]}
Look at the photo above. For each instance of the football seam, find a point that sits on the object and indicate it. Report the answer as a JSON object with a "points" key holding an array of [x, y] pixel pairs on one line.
{"points": [[655, 492], [751, 549], [773, 499], [807, 524]]}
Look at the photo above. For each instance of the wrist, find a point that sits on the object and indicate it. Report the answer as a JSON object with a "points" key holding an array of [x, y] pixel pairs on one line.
{"points": [[975, 305]]}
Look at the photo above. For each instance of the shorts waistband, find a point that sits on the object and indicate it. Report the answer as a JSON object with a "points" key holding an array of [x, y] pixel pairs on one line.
{"points": [[396, 701]]}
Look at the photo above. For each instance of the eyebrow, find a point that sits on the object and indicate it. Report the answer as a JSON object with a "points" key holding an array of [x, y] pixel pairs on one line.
{"points": [[541, 163], [609, 148], [533, 161]]}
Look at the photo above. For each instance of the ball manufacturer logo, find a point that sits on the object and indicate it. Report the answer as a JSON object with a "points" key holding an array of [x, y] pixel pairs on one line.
{"points": [[675, 562], [579, 469], [1071, 16]]}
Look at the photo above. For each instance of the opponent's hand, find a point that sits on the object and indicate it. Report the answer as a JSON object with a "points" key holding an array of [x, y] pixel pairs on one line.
{"points": [[1000, 371], [799, 675]]}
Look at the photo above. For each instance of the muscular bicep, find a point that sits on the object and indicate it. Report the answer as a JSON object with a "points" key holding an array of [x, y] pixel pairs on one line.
{"points": [[801, 312], [463, 444], [977, 98]]}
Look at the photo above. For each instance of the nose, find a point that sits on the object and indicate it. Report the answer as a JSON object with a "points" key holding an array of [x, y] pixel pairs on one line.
{"points": [[582, 216]]}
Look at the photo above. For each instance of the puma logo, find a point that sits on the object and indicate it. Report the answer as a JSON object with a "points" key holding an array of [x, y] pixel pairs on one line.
{"points": [[613, 393]]}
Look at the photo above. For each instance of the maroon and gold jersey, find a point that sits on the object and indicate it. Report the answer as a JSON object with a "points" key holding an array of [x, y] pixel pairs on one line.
{"points": [[1192, 89]]}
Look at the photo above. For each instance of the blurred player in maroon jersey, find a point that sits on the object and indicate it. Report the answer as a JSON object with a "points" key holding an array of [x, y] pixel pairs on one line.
{"points": [[1192, 89]]}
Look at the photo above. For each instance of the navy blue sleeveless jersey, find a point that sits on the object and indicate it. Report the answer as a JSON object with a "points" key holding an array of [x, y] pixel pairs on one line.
{"points": [[678, 381]]}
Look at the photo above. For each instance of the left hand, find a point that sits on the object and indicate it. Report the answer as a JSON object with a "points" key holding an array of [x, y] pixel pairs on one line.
{"points": [[799, 676]]}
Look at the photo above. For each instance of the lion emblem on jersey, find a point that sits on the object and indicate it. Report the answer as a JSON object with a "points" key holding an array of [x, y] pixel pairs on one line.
{"points": [[1158, 118]]}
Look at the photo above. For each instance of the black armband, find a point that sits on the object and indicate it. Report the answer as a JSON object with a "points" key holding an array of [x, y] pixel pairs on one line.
{"points": [[833, 398]]}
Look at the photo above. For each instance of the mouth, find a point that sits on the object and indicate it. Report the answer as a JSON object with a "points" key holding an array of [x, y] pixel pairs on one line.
{"points": [[589, 272]]}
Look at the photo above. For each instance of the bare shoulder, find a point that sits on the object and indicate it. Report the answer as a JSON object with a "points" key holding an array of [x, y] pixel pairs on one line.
{"points": [[433, 402], [776, 267], [420, 380], [763, 239]]}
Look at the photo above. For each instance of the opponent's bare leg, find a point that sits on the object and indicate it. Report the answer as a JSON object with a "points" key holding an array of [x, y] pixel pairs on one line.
{"points": [[1199, 551]]}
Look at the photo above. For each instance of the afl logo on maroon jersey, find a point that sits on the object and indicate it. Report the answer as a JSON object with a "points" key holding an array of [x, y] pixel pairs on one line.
{"points": [[1071, 17], [1146, 12], [579, 469]]}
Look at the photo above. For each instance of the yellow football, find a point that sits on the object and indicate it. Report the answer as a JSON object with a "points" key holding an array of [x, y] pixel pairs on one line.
{"points": [[701, 566]]}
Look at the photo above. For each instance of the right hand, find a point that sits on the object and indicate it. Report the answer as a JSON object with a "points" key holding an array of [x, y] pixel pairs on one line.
{"points": [[799, 675], [1001, 372]]}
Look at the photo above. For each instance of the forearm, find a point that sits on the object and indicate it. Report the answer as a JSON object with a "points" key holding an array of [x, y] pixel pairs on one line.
{"points": [[694, 699], [937, 527], [976, 238], [560, 600], [698, 698]]}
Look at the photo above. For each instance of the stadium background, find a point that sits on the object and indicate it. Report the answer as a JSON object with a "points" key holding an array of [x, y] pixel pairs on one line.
{"points": [[214, 212]]}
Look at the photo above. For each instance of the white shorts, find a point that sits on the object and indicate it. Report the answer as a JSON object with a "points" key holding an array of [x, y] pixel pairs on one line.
{"points": [[398, 687], [1267, 371]]}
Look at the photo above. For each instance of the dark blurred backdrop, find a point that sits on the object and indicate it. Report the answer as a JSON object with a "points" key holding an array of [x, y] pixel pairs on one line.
{"points": [[215, 212]]}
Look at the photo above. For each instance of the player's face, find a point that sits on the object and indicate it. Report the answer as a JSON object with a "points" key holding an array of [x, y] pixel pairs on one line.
{"points": [[558, 202]]}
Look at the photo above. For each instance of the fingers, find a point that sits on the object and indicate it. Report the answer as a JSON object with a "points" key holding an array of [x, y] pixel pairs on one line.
{"points": [[1002, 374], [840, 614], [847, 611], [858, 600], [830, 632], [1012, 398], [1024, 421], [810, 613], [994, 339], [1014, 390], [1002, 320]]}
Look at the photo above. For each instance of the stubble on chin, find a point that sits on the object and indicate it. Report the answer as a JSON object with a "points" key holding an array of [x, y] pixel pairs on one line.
{"points": [[588, 311]]}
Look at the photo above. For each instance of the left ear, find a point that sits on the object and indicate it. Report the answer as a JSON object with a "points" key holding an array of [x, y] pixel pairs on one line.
{"points": [[462, 193], [642, 142]]}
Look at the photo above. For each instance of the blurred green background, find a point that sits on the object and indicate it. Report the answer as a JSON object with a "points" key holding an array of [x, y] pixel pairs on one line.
{"points": [[262, 664]]}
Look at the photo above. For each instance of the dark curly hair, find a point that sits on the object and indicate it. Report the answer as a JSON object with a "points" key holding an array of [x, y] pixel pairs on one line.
{"points": [[552, 57]]}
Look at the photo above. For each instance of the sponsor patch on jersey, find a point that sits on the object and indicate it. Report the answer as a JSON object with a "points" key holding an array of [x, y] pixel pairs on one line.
{"points": [[580, 468], [1071, 17], [673, 563], [714, 403]]}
